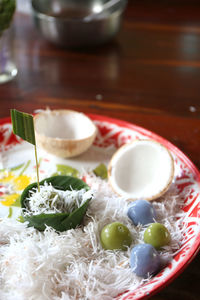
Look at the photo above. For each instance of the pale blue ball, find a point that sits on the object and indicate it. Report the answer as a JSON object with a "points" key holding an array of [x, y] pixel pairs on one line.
{"points": [[141, 212], [145, 260]]}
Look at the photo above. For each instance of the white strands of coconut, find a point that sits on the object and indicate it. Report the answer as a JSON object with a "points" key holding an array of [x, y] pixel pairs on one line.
{"points": [[51, 266], [73, 265], [8, 228], [107, 207], [31, 264], [50, 200], [169, 213], [98, 274]]}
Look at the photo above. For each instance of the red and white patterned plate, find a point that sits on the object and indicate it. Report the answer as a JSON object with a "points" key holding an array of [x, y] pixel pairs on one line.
{"points": [[112, 134]]}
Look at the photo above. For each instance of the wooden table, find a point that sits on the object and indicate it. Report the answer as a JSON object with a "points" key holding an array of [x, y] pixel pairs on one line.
{"points": [[149, 75]]}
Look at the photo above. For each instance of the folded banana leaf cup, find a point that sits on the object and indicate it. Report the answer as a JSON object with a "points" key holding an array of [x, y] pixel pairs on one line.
{"points": [[59, 221]]}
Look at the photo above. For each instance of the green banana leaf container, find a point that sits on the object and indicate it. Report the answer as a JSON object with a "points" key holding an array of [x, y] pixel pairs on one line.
{"points": [[59, 221]]}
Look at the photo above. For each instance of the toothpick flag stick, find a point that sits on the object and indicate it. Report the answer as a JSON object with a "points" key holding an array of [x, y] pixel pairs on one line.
{"points": [[23, 126]]}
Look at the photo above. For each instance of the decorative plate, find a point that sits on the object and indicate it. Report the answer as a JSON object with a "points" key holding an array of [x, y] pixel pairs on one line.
{"points": [[17, 160]]}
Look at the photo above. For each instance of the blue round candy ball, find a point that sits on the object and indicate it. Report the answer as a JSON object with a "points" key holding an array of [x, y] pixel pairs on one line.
{"points": [[145, 260], [141, 212]]}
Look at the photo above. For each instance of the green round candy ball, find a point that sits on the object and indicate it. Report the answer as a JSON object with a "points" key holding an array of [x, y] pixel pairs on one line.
{"points": [[157, 235], [115, 236]]}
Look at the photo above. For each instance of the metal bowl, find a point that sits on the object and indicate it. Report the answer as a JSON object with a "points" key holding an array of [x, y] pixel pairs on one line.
{"points": [[66, 22]]}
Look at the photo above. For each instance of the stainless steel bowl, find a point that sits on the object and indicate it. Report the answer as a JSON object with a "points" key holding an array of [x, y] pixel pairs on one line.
{"points": [[66, 22]]}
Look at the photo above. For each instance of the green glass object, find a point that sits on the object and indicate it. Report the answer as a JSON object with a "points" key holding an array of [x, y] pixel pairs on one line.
{"points": [[7, 9], [59, 221], [157, 235], [8, 69], [115, 236]]}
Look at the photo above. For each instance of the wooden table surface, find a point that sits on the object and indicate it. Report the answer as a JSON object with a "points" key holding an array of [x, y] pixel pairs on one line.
{"points": [[149, 75]]}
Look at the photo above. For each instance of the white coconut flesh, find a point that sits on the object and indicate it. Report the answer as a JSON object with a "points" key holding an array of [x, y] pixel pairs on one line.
{"points": [[69, 125], [142, 169]]}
